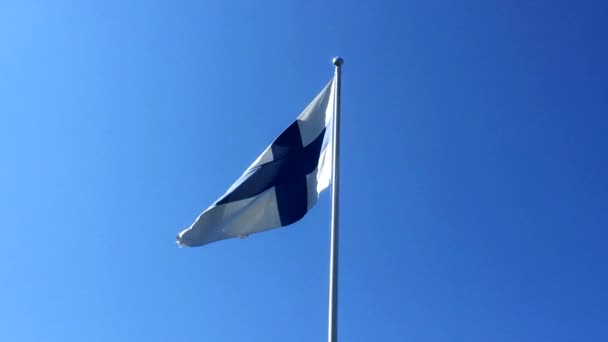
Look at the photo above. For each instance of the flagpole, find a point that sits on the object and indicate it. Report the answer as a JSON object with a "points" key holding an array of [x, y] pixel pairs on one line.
{"points": [[332, 331]]}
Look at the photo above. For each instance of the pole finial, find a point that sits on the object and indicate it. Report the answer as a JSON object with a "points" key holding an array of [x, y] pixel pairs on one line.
{"points": [[338, 61]]}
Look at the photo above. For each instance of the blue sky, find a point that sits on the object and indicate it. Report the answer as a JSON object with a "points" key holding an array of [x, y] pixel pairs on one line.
{"points": [[474, 163]]}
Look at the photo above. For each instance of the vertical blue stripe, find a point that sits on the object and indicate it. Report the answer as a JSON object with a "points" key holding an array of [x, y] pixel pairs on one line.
{"points": [[292, 194]]}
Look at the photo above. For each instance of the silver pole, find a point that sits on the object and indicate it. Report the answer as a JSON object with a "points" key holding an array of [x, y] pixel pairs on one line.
{"points": [[332, 331]]}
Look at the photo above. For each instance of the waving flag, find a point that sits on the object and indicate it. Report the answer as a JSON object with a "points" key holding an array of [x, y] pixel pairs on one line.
{"points": [[281, 185]]}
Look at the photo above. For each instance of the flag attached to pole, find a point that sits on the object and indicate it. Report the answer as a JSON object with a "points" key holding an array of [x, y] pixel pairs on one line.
{"points": [[281, 185]]}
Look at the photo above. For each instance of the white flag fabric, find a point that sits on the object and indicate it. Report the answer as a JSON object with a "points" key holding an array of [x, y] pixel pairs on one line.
{"points": [[281, 185]]}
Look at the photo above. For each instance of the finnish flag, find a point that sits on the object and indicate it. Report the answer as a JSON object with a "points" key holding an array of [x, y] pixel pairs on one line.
{"points": [[281, 185]]}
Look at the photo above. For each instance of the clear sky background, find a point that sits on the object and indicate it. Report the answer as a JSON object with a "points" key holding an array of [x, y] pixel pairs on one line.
{"points": [[474, 159]]}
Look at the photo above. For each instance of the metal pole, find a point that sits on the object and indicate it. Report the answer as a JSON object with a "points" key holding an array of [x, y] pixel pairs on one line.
{"points": [[332, 331]]}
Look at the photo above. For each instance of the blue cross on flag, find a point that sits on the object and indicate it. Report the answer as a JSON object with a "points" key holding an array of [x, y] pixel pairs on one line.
{"points": [[280, 186]]}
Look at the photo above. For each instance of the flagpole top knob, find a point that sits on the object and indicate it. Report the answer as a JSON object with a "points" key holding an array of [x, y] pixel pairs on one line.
{"points": [[338, 61]]}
